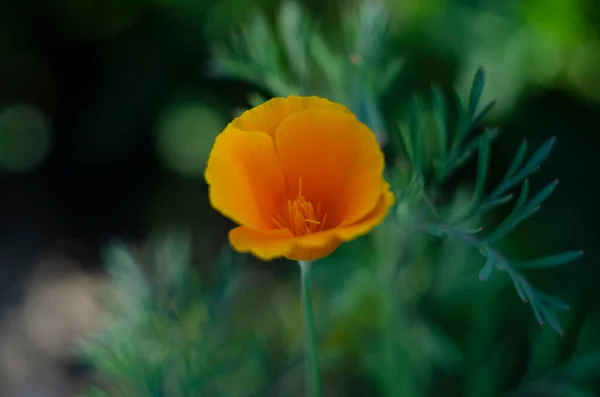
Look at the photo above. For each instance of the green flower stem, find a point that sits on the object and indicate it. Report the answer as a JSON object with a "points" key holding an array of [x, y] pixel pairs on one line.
{"points": [[308, 323]]}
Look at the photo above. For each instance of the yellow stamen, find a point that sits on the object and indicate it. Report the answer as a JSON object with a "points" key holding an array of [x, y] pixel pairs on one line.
{"points": [[323, 222], [300, 216]]}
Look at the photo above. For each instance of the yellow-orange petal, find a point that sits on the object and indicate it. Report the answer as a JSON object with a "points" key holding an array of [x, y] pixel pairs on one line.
{"points": [[281, 243], [268, 116], [274, 244], [366, 224], [338, 159], [265, 245], [319, 245], [246, 181]]}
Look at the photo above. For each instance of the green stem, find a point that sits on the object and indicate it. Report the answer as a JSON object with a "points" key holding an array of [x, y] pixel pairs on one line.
{"points": [[308, 323]]}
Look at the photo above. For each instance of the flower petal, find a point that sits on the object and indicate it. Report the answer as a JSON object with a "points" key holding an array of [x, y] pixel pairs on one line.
{"points": [[246, 181], [272, 244], [373, 219], [345, 233], [326, 243], [338, 159], [268, 116], [265, 245], [281, 243]]}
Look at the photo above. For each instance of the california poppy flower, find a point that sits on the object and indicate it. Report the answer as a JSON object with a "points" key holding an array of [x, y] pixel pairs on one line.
{"points": [[300, 175]]}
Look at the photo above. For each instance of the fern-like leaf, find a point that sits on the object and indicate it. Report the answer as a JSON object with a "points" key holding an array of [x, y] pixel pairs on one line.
{"points": [[544, 306]]}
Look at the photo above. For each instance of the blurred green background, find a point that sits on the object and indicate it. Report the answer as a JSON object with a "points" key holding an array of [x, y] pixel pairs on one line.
{"points": [[108, 110]]}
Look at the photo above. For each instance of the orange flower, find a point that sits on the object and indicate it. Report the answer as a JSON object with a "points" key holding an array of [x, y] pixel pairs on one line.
{"points": [[300, 175]]}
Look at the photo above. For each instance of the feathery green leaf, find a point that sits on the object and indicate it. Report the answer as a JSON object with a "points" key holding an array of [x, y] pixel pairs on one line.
{"points": [[550, 261], [482, 169], [439, 111], [476, 90], [481, 115], [516, 163], [415, 133], [554, 302], [490, 205], [486, 270], [534, 162]]}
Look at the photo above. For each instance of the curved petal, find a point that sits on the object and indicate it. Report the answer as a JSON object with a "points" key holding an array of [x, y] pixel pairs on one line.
{"points": [[268, 116], [281, 243], [366, 224], [265, 245], [278, 243], [338, 159], [328, 243], [246, 181]]}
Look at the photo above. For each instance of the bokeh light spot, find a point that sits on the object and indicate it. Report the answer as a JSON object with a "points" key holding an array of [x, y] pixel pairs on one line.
{"points": [[581, 71], [24, 138], [185, 134]]}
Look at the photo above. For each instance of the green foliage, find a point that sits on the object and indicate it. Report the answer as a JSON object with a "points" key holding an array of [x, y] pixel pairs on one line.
{"points": [[396, 304], [453, 142], [295, 57], [169, 333], [543, 305]]}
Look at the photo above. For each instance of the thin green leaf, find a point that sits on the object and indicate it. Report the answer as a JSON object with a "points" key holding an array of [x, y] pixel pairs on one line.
{"points": [[462, 124], [542, 195], [330, 66], [488, 206], [519, 290], [537, 313], [474, 143], [517, 161], [550, 261], [482, 169], [260, 43], [487, 108], [457, 159], [552, 320], [391, 71], [291, 25], [415, 134], [476, 90], [520, 215], [524, 215], [510, 224], [404, 144], [486, 270], [523, 195], [433, 229], [439, 111], [554, 302], [466, 121], [533, 299], [510, 221], [538, 157], [470, 231]]}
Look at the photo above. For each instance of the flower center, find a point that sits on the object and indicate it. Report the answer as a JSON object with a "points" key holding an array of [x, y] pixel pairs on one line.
{"points": [[300, 216]]}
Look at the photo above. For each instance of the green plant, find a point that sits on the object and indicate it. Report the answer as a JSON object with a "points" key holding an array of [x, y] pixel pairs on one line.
{"points": [[354, 70], [432, 156], [169, 331], [450, 157], [378, 299]]}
